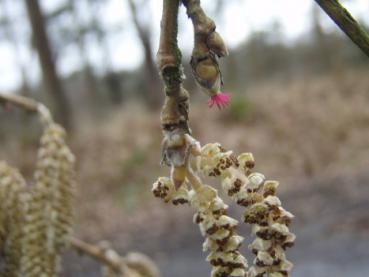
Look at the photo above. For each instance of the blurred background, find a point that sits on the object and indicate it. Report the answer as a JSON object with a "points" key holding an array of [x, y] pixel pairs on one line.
{"points": [[300, 97]]}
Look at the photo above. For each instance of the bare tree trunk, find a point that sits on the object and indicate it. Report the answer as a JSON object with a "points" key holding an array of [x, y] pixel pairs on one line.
{"points": [[151, 76], [50, 78]]}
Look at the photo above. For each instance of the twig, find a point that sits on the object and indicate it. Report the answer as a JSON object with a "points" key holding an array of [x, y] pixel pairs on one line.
{"points": [[19, 101], [133, 264], [175, 109], [346, 23], [174, 114], [29, 105], [98, 253]]}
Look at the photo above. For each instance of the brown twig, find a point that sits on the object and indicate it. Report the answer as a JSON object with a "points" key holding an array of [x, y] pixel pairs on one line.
{"points": [[208, 46], [19, 101], [100, 254], [346, 23], [134, 264], [174, 114], [29, 105]]}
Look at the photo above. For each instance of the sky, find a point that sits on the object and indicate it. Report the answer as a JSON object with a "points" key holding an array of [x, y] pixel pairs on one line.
{"points": [[239, 20]]}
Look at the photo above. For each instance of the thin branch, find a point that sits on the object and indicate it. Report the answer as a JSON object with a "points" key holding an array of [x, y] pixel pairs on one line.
{"points": [[133, 264], [174, 114], [175, 109], [29, 105], [98, 253], [19, 101], [346, 23]]}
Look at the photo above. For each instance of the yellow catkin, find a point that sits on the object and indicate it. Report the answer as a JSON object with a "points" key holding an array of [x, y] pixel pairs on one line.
{"points": [[49, 220], [221, 240], [263, 211], [218, 229], [12, 187]]}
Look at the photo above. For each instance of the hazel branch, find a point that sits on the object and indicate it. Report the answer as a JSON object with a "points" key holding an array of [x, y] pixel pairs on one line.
{"points": [[22, 102], [27, 104], [174, 114], [346, 22], [114, 262], [133, 264], [204, 29], [175, 109], [208, 47]]}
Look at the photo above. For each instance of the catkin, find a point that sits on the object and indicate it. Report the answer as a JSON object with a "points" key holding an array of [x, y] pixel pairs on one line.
{"points": [[263, 211], [49, 219], [12, 188], [218, 229]]}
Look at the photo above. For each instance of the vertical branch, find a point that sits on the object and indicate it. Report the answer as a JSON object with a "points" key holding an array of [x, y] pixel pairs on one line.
{"points": [[346, 23], [174, 114], [209, 46]]}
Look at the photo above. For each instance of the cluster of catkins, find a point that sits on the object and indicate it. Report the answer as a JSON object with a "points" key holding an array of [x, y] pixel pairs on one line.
{"points": [[35, 221], [263, 211]]}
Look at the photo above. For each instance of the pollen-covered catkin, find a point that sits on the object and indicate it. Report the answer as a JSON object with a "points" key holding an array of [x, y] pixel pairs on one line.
{"points": [[49, 221], [264, 212], [12, 188], [218, 229], [221, 240]]}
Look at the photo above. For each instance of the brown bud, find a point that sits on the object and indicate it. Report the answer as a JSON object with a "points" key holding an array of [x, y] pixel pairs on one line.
{"points": [[216, 44]]}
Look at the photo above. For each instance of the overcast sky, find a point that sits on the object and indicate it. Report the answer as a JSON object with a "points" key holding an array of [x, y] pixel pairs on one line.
{"points": [[240, 18]]}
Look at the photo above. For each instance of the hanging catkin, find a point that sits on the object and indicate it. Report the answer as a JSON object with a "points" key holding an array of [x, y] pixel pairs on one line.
{"points": [[12, 186], [49, 219]]}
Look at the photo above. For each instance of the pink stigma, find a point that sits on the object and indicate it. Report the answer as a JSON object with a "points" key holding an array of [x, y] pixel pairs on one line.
{"points": [[220, 99]]}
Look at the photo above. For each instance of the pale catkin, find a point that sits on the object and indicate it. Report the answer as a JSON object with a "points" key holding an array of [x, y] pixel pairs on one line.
{"points": [[12, 189], [218, 229], [263, 211], [49, 219], [221, 240]]}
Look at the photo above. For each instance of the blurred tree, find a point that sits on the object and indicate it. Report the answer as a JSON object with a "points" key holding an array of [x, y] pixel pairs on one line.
{"points": [[152, 80], [52, 83], [10, 35], [89, 76], [112, 80], [323, 43]]}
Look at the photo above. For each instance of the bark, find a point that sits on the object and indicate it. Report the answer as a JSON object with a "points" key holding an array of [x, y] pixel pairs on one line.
{"points": [[52, 83], [174, 114], [346, 23]]}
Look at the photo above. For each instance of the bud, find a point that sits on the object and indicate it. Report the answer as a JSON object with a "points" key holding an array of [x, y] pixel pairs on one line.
{"points": [[207, 73], [216, 44]]}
